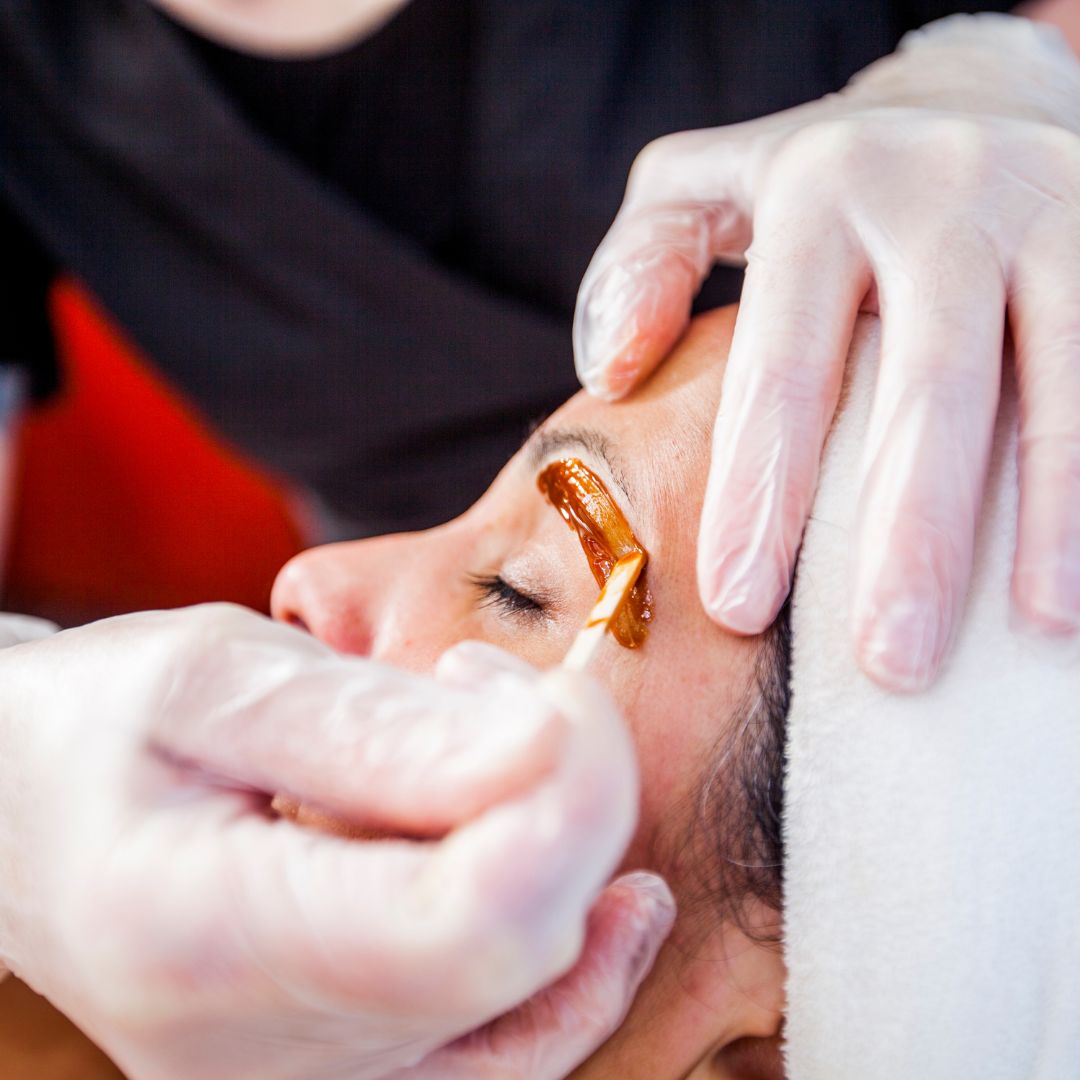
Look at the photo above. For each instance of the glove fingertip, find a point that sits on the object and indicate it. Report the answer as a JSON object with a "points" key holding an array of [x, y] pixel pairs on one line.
{"points": [[741, 592], [471, 662], [902, 645], [625, 325], [1047, 597]]}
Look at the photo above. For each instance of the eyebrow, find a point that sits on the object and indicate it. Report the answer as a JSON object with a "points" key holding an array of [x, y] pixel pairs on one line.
{"points": [[545, 443]]}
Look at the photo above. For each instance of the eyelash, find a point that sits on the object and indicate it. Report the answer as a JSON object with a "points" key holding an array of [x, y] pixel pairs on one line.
{"points": [[497, 593]]}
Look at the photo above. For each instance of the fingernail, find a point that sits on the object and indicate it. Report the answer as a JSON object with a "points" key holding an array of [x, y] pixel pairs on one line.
{"points": [[612, 377], [656, 907], [904, 644], [1049, 603], [746, 599], [743, 611], [1038, 621], [470, 662], [615, 380], [652, 888], [603, 334]]}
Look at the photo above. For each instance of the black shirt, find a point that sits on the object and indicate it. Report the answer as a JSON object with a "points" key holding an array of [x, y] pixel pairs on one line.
{"points": [[362, 268]]}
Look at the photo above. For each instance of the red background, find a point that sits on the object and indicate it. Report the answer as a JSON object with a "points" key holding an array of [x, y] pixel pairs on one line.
{"points": [[124, 499]]}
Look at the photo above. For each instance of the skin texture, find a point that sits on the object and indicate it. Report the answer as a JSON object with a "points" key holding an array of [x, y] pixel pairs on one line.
{"points": [[714, 997]]}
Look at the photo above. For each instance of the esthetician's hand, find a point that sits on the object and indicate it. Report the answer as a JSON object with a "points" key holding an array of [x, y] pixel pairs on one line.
{"points": [[943, 183], [14, 630], [147, 891]]}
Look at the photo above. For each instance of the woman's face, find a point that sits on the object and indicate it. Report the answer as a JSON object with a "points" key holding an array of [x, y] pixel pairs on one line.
{"points": [[512, 573]]}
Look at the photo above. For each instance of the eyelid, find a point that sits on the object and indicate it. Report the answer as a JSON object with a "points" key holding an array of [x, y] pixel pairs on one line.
{"points": [[496, 591]]}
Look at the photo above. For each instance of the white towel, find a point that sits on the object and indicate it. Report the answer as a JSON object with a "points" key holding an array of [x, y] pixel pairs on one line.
{"points": [[933, 840]]}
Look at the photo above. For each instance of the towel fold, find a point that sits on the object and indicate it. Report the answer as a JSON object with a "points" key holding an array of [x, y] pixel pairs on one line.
{"points": [[933, 840]]}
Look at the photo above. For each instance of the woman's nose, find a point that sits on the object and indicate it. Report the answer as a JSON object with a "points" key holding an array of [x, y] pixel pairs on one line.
{"points": [[316, 592]]}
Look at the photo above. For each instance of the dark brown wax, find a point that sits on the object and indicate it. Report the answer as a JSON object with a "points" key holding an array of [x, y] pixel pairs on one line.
{"points": [[586, 505]]}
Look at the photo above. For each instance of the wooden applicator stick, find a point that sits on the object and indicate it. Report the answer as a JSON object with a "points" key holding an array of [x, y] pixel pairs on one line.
{"points": [[613, 595]]}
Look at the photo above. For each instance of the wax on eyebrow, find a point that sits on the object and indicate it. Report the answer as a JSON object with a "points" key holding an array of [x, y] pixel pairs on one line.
{"points": [[586, 505]]}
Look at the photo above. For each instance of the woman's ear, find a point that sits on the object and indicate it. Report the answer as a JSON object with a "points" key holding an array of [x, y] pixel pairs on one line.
{"points": [[751, 1047], [753, 972], [712, 1008], [748, 1059]]}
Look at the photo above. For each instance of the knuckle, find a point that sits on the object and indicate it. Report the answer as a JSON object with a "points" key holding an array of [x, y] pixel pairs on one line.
{"points": [[811, 163], [827, 143], [205, 628], [960, 152], [846, 149], [656, 156], [962, 148], [665, 158], [1061, 148]]}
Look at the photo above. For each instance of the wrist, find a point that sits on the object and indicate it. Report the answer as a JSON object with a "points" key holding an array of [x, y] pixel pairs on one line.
{"points": [[989, 63]]}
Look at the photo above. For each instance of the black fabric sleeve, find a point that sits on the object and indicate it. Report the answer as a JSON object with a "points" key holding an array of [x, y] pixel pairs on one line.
{"points": [[307, 332], [26, 272], [917, 13]]}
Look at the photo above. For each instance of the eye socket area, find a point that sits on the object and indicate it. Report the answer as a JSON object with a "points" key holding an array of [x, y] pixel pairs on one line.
{"points": [[534, 592], [494, 591]]}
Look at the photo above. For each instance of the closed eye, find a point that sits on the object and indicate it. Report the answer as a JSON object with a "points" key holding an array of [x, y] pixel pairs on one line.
{"points": [[496, 592]]}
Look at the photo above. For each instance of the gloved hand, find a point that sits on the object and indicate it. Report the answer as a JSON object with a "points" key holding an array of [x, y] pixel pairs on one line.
{"points": [[941, 184], [146, 890], [14, 630]]}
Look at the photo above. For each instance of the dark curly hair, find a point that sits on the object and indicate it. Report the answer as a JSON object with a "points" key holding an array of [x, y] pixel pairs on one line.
{"points": [[736, 843]]}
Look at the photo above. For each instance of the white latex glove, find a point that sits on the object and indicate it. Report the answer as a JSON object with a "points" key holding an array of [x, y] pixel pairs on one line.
{"points": [[146, 890], [941, 184], [15, 629]]}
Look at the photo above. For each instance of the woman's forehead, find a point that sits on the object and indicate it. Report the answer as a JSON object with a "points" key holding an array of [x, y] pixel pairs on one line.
{"points": [[676, 404]]}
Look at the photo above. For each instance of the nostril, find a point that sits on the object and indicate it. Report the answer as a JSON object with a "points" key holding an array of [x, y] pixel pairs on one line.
{"points": [[315, 593], [289, 595], [332, 621]]}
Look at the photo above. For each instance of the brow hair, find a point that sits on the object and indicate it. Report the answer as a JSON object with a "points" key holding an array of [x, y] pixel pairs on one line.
{"points": [[545, 443]]}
